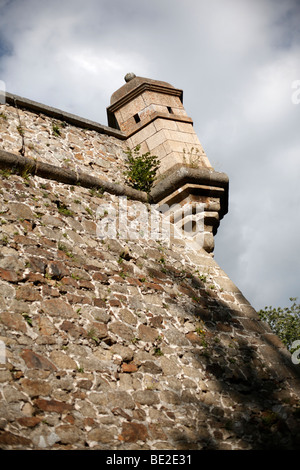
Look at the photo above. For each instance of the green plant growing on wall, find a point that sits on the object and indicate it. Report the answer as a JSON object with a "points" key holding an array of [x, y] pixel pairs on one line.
{"points": [[89, 211], [63, 209], [20, 130], [67, 252], [92, 335], [192, 157], [96, 192], [56, 130], [4, 240], [141, 169], [6, 173], [158, 351], [27, 318], [26, 172]]}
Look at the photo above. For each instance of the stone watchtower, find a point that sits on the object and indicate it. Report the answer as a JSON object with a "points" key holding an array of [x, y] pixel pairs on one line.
{"points": [[151, 114]]}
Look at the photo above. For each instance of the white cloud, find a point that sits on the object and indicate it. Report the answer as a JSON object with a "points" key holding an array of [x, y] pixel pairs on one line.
{"points": [[269, 98], [54, 64]]}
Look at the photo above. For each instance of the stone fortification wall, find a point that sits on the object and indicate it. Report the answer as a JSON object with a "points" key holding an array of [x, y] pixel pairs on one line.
{"points": [[120, 343], [61, 143], [127, 344]]}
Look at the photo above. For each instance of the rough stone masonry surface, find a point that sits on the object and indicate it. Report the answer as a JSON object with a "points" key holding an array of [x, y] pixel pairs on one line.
{"points": [[123, 344]]}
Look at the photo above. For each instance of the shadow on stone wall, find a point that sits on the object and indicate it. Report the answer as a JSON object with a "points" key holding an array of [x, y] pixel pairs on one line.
{"points": [[252, 394], [177, 360]]}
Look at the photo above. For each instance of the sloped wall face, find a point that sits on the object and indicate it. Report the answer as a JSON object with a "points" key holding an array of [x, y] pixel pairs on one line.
{"points": [[127, 344]]}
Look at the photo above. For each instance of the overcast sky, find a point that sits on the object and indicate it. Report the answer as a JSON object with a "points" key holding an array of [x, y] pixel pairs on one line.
{"points": [[237, 62]]}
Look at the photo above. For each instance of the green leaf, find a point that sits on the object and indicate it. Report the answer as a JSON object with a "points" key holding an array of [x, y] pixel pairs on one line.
{"points": [[141, 169]]}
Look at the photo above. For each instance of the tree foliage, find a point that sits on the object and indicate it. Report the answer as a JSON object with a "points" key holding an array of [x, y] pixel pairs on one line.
{"points": [[141, 169], [285, 322]]}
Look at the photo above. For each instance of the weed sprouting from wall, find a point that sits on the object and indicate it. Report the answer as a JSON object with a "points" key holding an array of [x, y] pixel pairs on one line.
{"points": [[141, 169]]}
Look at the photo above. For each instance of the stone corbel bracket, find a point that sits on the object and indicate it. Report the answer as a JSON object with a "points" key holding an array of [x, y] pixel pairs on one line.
{"points": [[201, 194]]}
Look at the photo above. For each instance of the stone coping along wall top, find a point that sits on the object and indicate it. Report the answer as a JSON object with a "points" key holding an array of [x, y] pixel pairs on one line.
{"points": [[166, 186], [36, 107]]}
